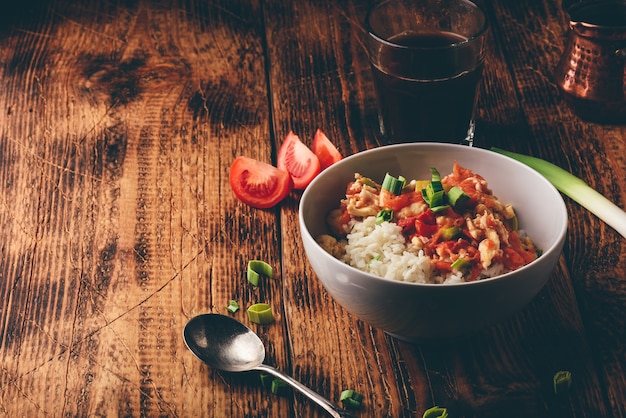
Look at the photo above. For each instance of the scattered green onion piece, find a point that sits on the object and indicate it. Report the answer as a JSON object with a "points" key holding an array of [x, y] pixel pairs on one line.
{"points": [[351, 399], [435, 179], [233, 306], [266, 380], [440, 208], [576, 189], [253, 277], [260, 313], [256, 269], [393, 185], [514, 223], [457, 197], [450, 233], [385, 215], [437, 199], [461, 264], [377, 257], [279, 387], [402, 181], [434, 193], [368, 182], [436, 412], [562, 381]]}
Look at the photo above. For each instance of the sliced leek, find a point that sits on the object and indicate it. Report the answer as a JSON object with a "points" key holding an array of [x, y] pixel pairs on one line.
{"points": [[576, 189], [256, 269], [562, 381]]}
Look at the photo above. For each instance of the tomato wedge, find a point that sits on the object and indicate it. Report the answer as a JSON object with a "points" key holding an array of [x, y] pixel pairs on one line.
{"points": [[258, 184], [325, 150], [298, 159]]}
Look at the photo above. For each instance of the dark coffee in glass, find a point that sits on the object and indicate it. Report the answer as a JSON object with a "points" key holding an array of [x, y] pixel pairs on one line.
{"points": [[427, 59]]}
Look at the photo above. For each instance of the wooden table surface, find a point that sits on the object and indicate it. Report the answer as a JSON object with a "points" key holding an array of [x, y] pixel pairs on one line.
{"points": [[119, 121]]}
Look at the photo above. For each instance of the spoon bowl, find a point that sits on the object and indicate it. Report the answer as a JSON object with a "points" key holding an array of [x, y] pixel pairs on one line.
{"points": [[226, 344]]}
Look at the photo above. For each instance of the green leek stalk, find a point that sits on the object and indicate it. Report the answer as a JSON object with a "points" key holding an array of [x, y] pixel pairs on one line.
{"points": [[576, 189]]}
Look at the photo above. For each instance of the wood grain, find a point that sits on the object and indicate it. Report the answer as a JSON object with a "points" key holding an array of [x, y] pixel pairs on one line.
{"points": [[118, 124]]}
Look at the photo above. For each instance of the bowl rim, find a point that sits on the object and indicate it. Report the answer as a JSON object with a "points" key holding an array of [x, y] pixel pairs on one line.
{"points": [[557, 245]]}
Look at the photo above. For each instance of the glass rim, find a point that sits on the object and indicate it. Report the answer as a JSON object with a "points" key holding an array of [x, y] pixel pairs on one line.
{"points": [[372, 33]]}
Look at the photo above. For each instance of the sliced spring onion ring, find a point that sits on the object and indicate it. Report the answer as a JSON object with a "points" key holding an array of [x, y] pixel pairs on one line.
{"points": [[256, 269], [434, 193], [233, 306], [450, 233], [576, 189], [260, 313], [562, 381], [369, 182], [457, 197], [461, 264], [436, 412], [351, 399], [393, 185], [279, 387], [435, 179], [385, 215], [266, 380]]}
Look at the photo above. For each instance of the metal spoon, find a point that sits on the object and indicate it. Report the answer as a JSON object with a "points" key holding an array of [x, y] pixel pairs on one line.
{"points": [[228, 345]]}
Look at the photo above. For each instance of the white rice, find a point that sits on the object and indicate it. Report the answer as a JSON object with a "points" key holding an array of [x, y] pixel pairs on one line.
{"points": [[382, 250]]}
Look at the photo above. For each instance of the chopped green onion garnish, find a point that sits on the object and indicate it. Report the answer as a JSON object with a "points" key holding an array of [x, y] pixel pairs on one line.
{"points": [[576, 189], [260, 313], [435, 177], [266, 380], [437, 198], [233, 306], [393, 185], [457, 197], [434, 193], [385, 215], [351, 399], [435, 180], [368, 182], [461, 264], [279, 387], [562, 381], [256, 269], [436, 412], [440, 208], [450, 233]]}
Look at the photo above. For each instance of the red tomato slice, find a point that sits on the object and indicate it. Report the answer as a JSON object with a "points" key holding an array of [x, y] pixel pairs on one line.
{"points": [[426, 224], [259, 184], [325, 150], [297, 159]]}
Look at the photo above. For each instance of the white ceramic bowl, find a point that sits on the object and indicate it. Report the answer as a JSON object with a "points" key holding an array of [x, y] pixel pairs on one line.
{"points": [[413, 311]]}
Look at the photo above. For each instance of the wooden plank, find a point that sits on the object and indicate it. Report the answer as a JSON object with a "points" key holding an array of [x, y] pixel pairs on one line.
{"points": [[313, 77], [594, 252], [123, 128]]}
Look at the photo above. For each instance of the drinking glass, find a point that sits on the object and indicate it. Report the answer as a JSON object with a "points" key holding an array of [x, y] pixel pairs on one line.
{"points": [[427, 60]]}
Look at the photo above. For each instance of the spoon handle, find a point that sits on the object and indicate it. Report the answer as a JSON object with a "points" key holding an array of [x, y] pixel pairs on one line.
{"points": [[312, 395]]}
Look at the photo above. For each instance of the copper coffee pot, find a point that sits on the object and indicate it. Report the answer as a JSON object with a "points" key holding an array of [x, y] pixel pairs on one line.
{"points": [[592, 71]]}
